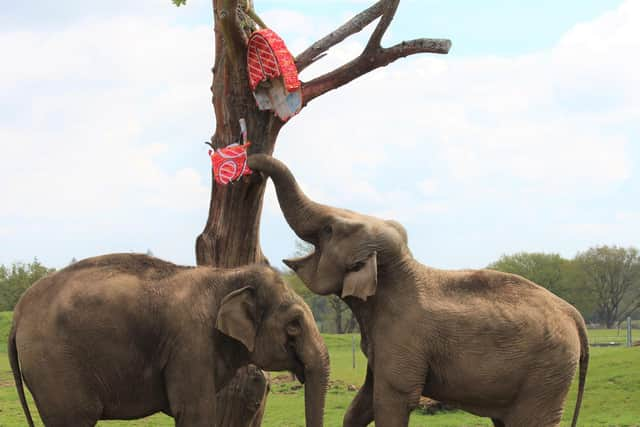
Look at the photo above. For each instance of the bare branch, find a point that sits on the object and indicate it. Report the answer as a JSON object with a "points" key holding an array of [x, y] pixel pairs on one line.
{"points": [[354, 25], [373, 55], [368, 62], [376, 37]]}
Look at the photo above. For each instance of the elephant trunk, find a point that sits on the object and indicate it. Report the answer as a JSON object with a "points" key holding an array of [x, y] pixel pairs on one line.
{"points": [[304, 216], [315, 358]]}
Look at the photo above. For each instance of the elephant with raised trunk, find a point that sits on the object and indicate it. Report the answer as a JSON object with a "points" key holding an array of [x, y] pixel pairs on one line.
{"points": [[493, 344], [124, 336]]}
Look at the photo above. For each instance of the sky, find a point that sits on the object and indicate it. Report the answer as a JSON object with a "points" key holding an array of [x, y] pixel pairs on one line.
{"points": [[525, 137]]}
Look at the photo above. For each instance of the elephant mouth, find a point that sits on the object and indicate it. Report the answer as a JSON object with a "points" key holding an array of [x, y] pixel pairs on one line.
{"points": [[298, 368]]}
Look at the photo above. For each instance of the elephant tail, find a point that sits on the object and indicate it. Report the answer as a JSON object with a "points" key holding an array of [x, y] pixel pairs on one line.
{"points": [[583, 365], [17, 375]]}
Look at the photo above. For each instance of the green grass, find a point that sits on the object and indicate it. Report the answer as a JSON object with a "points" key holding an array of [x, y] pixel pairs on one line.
{"points": [[611, 399]]}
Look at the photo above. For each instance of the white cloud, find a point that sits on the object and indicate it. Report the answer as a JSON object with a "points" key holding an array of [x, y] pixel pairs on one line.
{"points": [[428, 186], [616, 228], [106, 117], [104, 89], [596, 64], [486, 121]]}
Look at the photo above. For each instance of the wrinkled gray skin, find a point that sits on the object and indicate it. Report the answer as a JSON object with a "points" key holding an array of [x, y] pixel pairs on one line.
{"points": [[493, 344], [124, 336]]}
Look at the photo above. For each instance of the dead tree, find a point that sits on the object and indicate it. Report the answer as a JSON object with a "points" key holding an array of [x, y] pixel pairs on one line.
{"points": [[231, 234]]}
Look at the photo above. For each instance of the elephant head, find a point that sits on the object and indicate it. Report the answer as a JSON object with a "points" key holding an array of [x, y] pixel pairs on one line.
{"points": [[279, 331], [351, 249]]}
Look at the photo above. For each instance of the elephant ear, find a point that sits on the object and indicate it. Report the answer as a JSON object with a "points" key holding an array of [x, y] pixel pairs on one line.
{"points": [[304, 267], [363, 281], [237, 316]]}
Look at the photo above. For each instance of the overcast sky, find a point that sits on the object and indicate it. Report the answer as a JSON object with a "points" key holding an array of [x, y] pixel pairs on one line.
{"points": [[524, 138]]}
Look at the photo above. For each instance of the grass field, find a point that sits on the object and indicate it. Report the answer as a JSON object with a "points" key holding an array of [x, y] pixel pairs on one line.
{"points": [[612, 395]]}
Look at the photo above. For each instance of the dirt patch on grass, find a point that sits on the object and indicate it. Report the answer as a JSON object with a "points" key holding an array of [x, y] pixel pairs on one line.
{"points": [[429, 406], [6, 383], [288, 384]]}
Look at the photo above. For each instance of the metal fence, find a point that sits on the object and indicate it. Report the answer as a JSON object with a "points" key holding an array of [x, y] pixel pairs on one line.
{"points": [[623, 337]]}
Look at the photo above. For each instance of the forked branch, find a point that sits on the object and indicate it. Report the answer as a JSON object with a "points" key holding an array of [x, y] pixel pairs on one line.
{"points": [[373, 56], [387, 16], [353, 26], [368, 62]]}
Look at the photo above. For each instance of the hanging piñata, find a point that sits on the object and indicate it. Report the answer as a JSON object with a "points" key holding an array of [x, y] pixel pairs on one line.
{"points": [[230, 163], [273, 76]]}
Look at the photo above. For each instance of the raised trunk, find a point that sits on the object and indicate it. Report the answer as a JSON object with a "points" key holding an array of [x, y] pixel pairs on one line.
{"points": [[303, 215]]}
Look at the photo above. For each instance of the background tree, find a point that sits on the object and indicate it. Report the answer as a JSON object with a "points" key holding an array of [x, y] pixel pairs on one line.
{"points": [[612, 273], [546, 270], [230, 236], [561, 276], [15, 279]]}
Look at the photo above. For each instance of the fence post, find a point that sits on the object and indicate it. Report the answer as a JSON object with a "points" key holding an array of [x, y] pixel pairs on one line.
{"points": [[629, 343], [353, 351]]}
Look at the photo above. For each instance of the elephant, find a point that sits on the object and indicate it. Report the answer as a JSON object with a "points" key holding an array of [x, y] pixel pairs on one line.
{"points": [[490, 343], [123, 336]]}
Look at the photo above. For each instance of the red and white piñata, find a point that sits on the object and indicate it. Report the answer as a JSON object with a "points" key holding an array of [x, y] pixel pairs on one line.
{"points": [[273, 76], [230, 163]]}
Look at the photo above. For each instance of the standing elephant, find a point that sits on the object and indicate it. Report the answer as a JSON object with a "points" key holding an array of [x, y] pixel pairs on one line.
{"points": [[124, 336], [493, 344]]}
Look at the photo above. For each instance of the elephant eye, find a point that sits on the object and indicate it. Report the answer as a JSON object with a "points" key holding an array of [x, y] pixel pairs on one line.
{"points": [[294, 328], [356, 266], [327, 230]]}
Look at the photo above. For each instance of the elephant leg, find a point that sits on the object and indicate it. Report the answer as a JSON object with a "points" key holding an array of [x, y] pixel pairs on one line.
{"points": [[191, 391], [62, 393], [198, 411], [539, 407], [360, 412], [69, 405], [392, 408], [497, 423], [532, 418], [534, 413]]}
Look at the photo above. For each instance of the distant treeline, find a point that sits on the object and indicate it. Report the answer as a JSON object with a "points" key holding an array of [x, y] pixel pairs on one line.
{"points": [[16, 278], [602, 282]]}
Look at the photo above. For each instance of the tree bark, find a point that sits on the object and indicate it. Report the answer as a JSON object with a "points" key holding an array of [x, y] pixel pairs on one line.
{"points": [[338, 309], [243, 401], [231, 234]]}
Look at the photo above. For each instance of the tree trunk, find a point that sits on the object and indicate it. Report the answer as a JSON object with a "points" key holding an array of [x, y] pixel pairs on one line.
{"points": [[351, 324], [242, 402], [230, 237], [338, 307]]}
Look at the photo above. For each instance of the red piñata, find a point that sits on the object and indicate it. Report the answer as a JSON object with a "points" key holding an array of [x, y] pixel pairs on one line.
{"points": [[230, 163]]}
